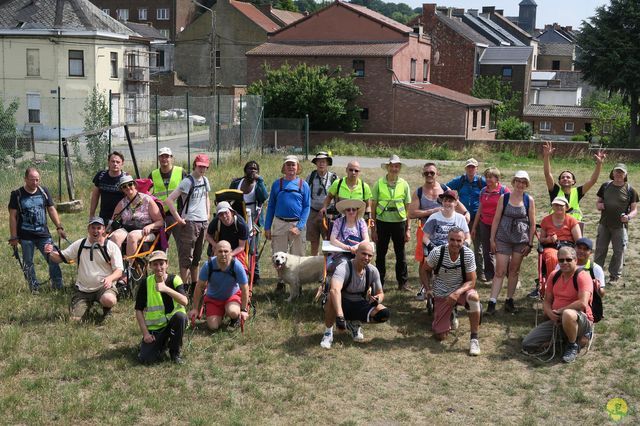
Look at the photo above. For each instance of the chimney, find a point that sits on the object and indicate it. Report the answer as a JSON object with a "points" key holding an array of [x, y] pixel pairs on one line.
{"points": [[548, 26], [457, 11], [488, 9], [428, 11], [568, 28], [473, 12], [500, 12]]}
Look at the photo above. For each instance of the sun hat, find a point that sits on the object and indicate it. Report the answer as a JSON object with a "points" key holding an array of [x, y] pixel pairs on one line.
{"points": [[158, 255], [125, 179], [201, 160], [290, 159], [165, 151], [394, 159], [450, 193], [471, 162], [223, 206], [560, 200], [342, 205], [521, 174], [323, 155]]}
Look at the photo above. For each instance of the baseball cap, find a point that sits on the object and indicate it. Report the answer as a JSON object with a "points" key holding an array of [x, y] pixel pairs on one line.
{"points": [[157, 255], [290, 159], [449, 193], [223, 206], [165, 151], [560, 200], [521, 174], [201, 160], [620, 166], [585, 242], [471, 162], [96, 219]]}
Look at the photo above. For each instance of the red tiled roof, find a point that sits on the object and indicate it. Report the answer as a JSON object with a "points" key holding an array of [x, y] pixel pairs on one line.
{"points": [[327, 48], [286, 16], [251, 12], [443, 92], [377, 17]]}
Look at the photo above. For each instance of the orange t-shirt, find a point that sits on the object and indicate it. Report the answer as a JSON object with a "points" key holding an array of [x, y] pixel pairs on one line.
{"points": [[563, 232], [564, 293]]}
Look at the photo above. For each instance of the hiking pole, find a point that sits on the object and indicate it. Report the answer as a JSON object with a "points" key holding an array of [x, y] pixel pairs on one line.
{"points": [[16, 254]]}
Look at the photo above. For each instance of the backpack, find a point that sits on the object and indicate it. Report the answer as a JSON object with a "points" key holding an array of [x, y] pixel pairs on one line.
{"points": [[441, 259], [367, 279], [340, 184], [525, 199], [630, 190], [597, 308], [101, 248], [205, 183], [463, 179], [214, 268], [42, 194], [312, 177]]}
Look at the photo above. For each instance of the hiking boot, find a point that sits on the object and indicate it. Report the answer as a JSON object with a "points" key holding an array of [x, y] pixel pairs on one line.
{"points": [[474, 347], [340, 323], [571, 353], [177, 359], [491, 308], [280, 287], [421, 295], [327, 340], [454, 320], [510, 307], [535, 294], [614, 281], [356, 331]]}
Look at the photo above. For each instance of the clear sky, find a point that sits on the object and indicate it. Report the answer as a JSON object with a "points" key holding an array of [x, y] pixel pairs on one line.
{"points": [[564, 12]]}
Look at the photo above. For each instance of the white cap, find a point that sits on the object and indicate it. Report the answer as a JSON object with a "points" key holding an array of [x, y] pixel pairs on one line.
{"points": [[165, 151], [223, 206], [521, 174]]}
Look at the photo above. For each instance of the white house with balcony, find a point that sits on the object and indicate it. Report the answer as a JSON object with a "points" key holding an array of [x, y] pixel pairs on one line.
{"points": [[70, 45]]}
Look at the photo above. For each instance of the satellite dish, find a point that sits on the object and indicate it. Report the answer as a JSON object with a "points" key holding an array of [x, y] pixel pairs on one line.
{"points": [[436, 57]]}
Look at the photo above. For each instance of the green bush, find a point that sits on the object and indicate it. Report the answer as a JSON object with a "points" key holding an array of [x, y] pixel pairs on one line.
{"points": [[514, 129]]}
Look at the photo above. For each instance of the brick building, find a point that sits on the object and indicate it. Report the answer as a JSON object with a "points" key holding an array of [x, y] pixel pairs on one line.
{"points": [[558, 122], [392, 65]]}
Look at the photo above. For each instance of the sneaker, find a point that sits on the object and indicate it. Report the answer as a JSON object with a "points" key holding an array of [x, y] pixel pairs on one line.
{"points": [[613, 281], [454, 320], [177, 359], [327, 340], [356, 331], [535, 294], [474, 347], [340, 323], [491, 308], [420, 295], [510, 307], [571, 353], [234, 323]]}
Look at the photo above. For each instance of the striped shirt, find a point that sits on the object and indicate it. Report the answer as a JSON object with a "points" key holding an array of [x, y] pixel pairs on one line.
{"points": [[450, 278]]}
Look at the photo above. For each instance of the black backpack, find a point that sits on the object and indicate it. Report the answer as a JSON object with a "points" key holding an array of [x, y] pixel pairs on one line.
{"points": [[312, 177], [441, 259], [597, 308], [213, 267], [340, 184], [367, 278], [101, 248]]}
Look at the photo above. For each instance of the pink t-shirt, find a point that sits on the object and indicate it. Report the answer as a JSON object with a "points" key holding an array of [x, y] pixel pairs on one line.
{"points": [[564, 293], [489, 202]]}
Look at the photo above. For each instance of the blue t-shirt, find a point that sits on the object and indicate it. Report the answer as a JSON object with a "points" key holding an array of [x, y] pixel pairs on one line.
{"points": [[294, 201], [469, 191], [223, 284]]}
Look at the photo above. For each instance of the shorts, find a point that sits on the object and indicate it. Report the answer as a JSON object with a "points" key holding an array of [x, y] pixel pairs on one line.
{"points": [[357, 310], [315, 230], [190, 239], [442, 312], [584, 325], [216, 307], [81, 301], [509, 248]]}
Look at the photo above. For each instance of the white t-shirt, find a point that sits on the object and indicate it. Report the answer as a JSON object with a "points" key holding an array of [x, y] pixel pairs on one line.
{"points": [[438, 226], [197, 209], [92, 272], [450, 278]]}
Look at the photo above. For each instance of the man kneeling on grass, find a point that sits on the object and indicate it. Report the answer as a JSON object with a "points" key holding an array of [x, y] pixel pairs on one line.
{"points": [[355, 296], [227, 289], [99, 267], [160, 312], [567, 304], [454, 272]]}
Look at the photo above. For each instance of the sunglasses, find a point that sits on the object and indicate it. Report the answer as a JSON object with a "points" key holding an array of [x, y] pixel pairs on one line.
{"points": [[354, 170], [127, 185], [350, 209], [565, 260], [428, 174]]}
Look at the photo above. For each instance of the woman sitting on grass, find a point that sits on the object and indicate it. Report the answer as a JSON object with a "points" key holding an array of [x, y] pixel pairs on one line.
{"points": [[137, 214]]}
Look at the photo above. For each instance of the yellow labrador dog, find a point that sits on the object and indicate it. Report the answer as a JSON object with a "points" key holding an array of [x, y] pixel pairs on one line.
{"points": [[297, 270]]}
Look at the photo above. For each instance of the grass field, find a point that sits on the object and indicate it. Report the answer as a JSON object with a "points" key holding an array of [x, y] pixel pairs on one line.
{"points": [[56, 372]]}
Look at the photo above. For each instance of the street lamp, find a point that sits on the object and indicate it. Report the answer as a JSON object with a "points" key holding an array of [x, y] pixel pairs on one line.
{"points": [[212, 40]]}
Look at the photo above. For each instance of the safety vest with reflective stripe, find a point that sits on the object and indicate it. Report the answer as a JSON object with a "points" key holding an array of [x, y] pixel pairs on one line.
{"points": [[154, 315], [388, 204], [574, 208], [159, 190]]}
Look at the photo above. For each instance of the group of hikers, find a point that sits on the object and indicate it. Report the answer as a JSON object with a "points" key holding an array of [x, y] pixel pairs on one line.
{"points": [[473, 228]]}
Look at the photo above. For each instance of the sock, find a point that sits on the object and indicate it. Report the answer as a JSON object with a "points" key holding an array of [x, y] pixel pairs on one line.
{"points": [[329, 330], [474, 335], [493, 300]]}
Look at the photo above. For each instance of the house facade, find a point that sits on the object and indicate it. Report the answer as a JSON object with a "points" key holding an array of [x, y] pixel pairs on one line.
{"points": [[73, 46], [392, 65], [558, 122]]}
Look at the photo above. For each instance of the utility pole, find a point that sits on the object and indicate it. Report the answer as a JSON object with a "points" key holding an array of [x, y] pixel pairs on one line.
{"points": [[212, 43]]}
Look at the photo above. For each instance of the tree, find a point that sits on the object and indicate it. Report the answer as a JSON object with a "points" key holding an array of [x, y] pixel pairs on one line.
{"points": [[610, 54], [512, 128], [327, 96], [492, 87], [96, 116], [8, 126], [612, 120]]}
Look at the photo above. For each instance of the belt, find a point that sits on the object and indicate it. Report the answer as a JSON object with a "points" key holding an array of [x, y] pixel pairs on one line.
{"points": [[288, 219]]}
